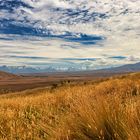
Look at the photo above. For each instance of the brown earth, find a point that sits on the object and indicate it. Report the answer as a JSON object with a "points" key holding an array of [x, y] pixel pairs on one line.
{"points": [[11, 83]]}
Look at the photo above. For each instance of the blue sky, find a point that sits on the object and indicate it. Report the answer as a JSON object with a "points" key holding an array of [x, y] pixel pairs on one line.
{"points": [[72, 33]]}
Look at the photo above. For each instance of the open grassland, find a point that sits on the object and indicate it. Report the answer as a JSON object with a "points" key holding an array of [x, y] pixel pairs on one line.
{"points": [[103, 110]]}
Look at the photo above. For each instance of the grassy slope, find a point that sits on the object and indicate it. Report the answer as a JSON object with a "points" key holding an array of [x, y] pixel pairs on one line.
{"points": [[108, 110]]}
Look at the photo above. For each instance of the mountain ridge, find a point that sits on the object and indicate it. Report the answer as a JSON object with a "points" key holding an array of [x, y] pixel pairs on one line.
{"points": [[24, 69]]}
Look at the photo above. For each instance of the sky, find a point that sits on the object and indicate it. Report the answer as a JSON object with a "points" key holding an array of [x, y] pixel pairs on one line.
{"points": [[79, 34]]}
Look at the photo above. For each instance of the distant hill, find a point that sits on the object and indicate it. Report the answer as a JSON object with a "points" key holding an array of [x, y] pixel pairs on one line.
{"points": [[5, 75], [125, 68]]}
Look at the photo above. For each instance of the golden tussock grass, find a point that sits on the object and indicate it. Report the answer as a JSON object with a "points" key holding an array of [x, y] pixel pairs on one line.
{"points": [[105, 110]]}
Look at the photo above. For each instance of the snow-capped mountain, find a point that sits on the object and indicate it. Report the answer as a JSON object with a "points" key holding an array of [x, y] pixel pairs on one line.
{"points": [[85, 67]]}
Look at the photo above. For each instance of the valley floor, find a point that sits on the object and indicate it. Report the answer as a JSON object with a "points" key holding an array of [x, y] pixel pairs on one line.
{"points": [[107, 109], [13, 83]]}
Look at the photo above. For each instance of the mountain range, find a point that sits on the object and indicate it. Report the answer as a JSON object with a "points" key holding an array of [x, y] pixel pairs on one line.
{"points": [[26, 69]]}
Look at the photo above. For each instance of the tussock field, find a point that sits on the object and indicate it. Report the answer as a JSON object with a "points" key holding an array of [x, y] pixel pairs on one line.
{"points": [[104, 110]]}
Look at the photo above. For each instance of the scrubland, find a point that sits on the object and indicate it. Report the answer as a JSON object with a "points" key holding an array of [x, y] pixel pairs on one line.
{"points": [[104, 110]]}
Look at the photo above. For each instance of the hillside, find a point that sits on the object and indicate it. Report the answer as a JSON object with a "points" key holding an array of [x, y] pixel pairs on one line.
{"points": [[5, 75], [108, 109], [126, 68]]}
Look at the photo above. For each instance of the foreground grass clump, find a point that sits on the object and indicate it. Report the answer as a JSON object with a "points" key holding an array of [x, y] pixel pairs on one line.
{"points": [[105, 110]]}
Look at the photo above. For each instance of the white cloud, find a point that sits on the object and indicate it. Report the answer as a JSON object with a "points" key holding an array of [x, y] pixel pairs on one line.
{"points": [[120, 26], [47, 3]]}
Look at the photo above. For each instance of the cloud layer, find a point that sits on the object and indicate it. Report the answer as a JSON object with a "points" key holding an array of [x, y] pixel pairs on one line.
{"points": [[93, 33]]}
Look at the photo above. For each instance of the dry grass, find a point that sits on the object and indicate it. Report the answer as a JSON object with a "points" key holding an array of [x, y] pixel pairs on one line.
{"points": [[108, 110]]}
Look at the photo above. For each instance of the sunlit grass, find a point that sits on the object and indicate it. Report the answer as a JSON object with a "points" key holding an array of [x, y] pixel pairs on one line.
{"points": [[105, 110]]}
